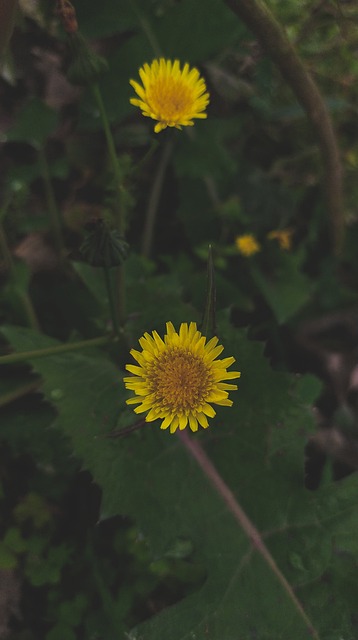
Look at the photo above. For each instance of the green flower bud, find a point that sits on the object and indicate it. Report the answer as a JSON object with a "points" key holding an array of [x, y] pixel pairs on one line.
{"points": [[85, 65], [102, 246]]}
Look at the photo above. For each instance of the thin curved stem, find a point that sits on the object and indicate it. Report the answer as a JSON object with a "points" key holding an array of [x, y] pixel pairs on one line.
{"points": [[57, 349], [119, 191], [197, 452], [154, 199], [53, 211], [274, 40], [112, 305], [118, 178]]}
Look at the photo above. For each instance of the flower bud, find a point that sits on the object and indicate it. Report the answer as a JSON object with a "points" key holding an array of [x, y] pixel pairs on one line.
{"points": [[85, 66], [102, 246]]}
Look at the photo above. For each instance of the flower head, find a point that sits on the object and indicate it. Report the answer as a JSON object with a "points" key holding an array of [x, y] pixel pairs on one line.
{"points": [[247, 245], [178, 377], [283, 237], [170, 95]]}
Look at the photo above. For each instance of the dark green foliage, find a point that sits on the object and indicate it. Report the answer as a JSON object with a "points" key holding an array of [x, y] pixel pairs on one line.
{"points": [[121, 536]]}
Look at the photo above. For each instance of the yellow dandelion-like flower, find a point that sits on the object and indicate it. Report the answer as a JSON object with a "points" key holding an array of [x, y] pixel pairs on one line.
{"points": [[179, 377], [170, 95], [247, 245], [283, 237]]}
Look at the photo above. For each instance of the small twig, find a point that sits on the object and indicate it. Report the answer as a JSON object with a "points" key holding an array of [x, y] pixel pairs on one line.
{"points": [[197, 452]]}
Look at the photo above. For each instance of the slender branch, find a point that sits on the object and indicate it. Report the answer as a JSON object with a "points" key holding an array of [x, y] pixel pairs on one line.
{"points": [[196, 451], [57, 349], [275, 41], [154, 198]]}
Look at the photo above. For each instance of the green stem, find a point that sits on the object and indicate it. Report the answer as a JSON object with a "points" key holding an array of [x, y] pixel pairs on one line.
{"points": [[112, 306], [154, 198], [121, 294], [120, 219], [53, 351], [20, 392], [26, 301], [197, 452], [147, 30], [119, 190], [208, 325], [51, 202], [29, 310]]}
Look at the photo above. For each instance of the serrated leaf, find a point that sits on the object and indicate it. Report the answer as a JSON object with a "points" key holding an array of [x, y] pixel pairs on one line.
{"points": [[150, 477]]}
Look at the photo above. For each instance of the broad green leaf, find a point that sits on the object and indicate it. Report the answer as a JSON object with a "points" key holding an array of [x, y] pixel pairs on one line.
{"points": [[257, 446]]}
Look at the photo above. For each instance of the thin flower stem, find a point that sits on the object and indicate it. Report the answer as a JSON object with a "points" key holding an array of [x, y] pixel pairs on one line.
{"points": [[53, 351], [24, 297], [112, 306], [120, 219], [197, 452], [51, 202], [154, 198], [30, 312], [208, 325], [120, 210], [153, 147], [147, 30]]}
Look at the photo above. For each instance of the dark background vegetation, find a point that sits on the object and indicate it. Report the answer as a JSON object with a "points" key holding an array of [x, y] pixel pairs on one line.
{"points": [[84, 553]]}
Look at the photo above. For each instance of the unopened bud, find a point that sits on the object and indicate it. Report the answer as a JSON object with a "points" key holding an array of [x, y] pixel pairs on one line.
{"points": [[102, 246], [85, 66]]}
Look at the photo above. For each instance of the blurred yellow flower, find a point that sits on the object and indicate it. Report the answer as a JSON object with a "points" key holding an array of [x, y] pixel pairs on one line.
{"points": [[170, 95], [283, 237], [247, 245], [178, 378]]}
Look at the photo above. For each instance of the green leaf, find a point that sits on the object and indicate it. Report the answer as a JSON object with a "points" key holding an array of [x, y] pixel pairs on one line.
{"points": [[258, 448], [287, 289], [34, 123]]}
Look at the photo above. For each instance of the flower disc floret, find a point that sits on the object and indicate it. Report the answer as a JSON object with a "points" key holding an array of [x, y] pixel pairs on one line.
{"points": [[169, 94], [177, 379]]}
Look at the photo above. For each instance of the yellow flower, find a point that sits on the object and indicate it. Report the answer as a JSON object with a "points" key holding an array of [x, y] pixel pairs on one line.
{"points": [[170, 95], [283, 237], [247, 245], [178, 377]]}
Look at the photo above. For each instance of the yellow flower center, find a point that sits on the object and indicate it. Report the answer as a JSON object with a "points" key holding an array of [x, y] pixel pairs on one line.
{"points": [[179, 380], [170, 99]]}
